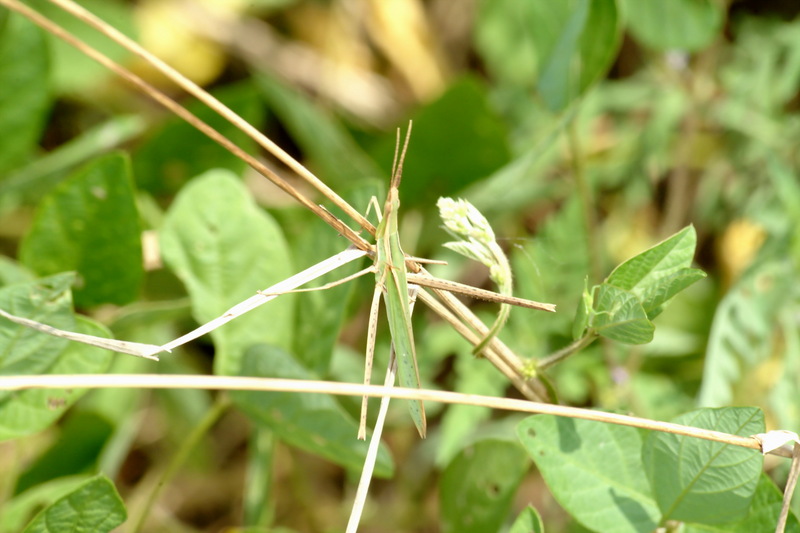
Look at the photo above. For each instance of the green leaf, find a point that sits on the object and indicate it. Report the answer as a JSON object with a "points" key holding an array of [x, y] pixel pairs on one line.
{"points": [[315, 423], [594, 470], [89, 223], [21, 509], [478, 486], [528, 521], [178, 152], [30, 411], [94, 507], [664, 25], [224, 249], [659, 273], [24, 351], [695, 480], [742, 334], [619, 316], [764, 512], [24, 90]]}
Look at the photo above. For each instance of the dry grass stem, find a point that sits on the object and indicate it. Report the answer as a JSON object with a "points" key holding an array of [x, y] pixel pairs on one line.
{"points": [[178, 381], [186, 115], [224, 111]]}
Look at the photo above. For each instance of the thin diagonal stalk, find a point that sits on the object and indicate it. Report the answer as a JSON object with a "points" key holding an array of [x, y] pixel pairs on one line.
{"points": [[224, 111], [186, 115], [497, 353]]}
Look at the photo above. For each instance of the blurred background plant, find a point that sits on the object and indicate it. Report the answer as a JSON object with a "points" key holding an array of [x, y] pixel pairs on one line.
{"points": [[585, 131]]}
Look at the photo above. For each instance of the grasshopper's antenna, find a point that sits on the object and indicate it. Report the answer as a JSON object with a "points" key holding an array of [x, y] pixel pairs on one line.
{"points": [[397, 164]]}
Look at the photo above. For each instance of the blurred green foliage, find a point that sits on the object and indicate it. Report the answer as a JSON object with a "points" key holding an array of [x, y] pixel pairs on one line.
{"points": [[613, 145]]}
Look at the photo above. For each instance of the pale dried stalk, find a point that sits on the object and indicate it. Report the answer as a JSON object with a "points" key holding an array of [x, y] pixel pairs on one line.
{"points": [[496, 352], [224, 111], [179, 381], [186, 115], [151, 351]]}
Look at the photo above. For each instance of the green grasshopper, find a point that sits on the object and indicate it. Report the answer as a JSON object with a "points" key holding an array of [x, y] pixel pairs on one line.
{"points": [[391, 280]]}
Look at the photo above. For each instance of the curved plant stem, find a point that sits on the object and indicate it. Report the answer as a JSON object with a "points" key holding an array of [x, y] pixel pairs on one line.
{"points": [[506, 287], [187, 446], [565, 352]]}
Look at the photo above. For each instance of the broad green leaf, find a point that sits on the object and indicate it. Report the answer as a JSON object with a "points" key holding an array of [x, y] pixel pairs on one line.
{"points": [[478, 486], [619, 316], [224, 249], [24, 90], [89, 223], [19, 510], [94, 507], [659, 273], [594, 470], [30, 411], [764, 512], [528, 521], [177, 152], [656, 296], [695, 480], [461, 121], [743, 332], [315, 423], [664, 25], [325, 142], [24, 351]]}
